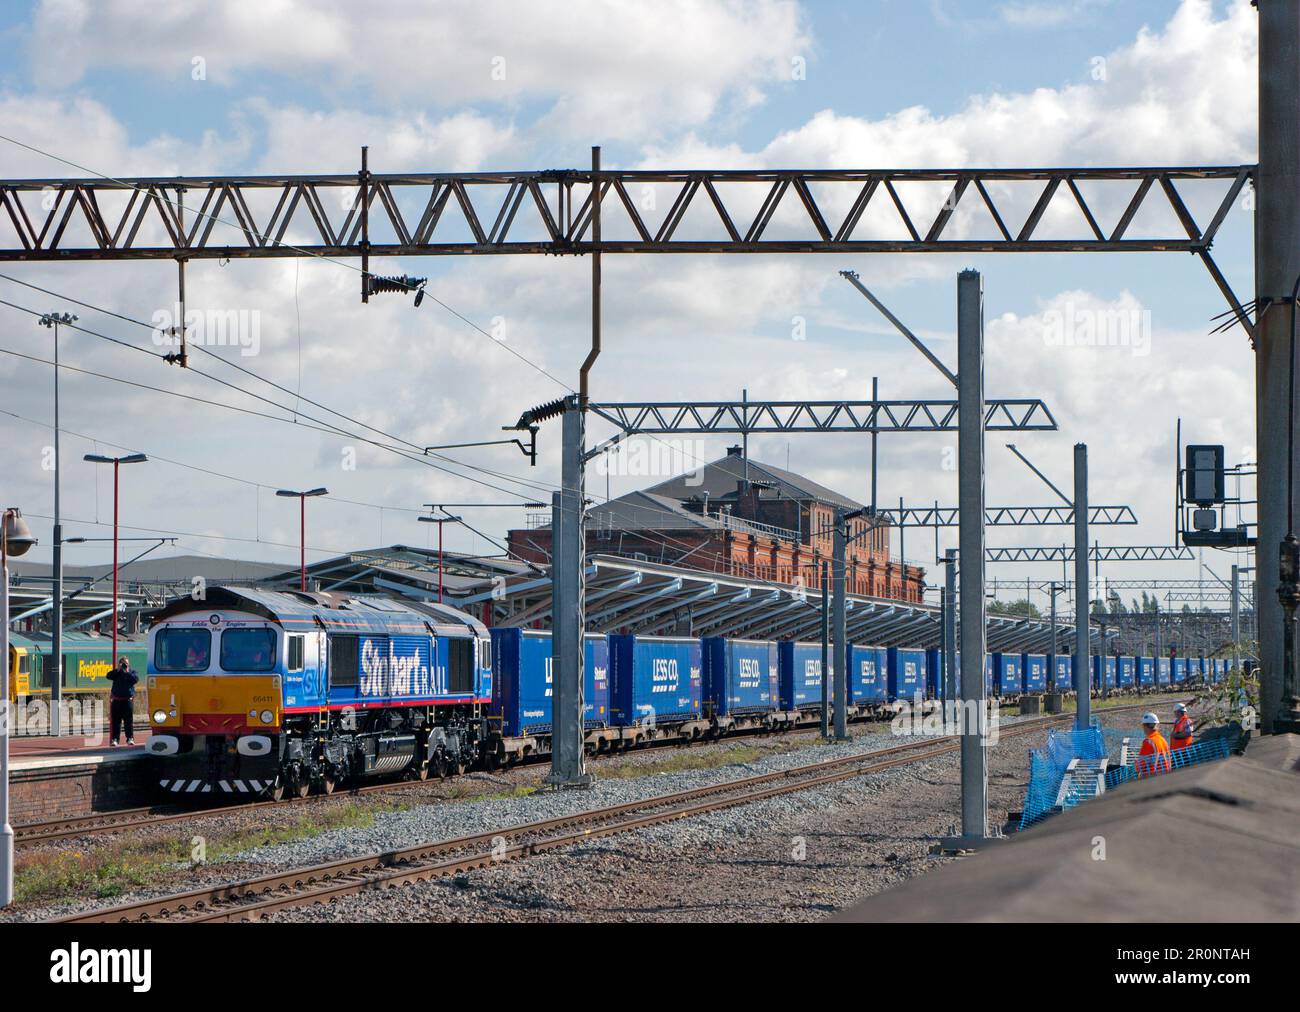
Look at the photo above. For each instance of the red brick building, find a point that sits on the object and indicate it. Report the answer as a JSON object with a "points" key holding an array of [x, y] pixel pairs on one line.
{"points": [[743, 518]]}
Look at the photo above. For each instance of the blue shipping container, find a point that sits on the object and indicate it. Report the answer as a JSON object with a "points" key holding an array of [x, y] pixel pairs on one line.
{"points": [[906, 673], [1179, 668], [867, 681], [1007, 679], [1162, 670], [1146, 671], [522, 687], [933, 674], [1125, 671], [1097, 664], [654, 678], [1034, 667], [1063, 675], [800, 675], [740, 676]]}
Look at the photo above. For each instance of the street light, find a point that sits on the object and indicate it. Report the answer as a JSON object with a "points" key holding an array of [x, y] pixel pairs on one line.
{"points": [[448, 519], [15, 537], [52, 321], [117, 462], [302, 526]]}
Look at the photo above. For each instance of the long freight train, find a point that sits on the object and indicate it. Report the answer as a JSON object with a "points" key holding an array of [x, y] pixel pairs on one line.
{"points": [[258, 692]]}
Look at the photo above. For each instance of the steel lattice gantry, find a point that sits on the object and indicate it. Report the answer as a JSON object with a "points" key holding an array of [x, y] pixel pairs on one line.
{"points": [[1101, 553], [722, 211], [1007, 516], [748, 417]]}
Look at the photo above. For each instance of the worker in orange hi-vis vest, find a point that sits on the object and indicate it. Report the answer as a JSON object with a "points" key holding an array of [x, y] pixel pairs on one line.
{"points": [[1181, 736], [1153, 758]]}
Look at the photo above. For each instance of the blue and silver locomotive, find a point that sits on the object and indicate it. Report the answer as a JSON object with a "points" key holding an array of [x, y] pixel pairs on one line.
{"points": [[267, 692]]}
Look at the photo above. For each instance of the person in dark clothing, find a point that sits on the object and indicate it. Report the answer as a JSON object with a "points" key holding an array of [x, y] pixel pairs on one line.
{"points": [[121, 702]]}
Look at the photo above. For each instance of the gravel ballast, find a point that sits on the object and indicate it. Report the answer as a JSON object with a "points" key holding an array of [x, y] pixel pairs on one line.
{"points": [[793, 857]]}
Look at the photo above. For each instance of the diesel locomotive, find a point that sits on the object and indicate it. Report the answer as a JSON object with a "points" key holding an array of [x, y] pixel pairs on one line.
{"points": [[257, 692]]}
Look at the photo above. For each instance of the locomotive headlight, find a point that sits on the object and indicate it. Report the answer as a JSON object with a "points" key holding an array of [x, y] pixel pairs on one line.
{"points": [[267, 716], [159, 716]]}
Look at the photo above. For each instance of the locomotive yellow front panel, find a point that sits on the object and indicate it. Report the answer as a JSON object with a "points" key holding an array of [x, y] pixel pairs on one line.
{"points": [[214, 704]]}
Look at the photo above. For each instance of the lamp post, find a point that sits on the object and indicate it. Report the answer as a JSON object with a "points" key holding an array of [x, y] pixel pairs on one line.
{"points": [[117, 462], [302, 498], [440, 521], [52, 320], [15, 538]]}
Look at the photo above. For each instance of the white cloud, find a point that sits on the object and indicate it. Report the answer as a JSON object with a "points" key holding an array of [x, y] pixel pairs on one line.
{"points": [[612, 69]]}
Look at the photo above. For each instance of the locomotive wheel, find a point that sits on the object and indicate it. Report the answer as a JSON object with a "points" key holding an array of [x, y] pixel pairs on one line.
{"points": [[302, 788], [327, 784], [277, 790], [422, 771]]}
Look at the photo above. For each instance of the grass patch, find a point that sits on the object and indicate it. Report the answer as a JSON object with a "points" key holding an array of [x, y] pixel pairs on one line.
{"points": [[122, 865], [685, 761]]}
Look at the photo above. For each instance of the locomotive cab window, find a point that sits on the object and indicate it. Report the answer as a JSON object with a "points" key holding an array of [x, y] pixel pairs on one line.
{"points": [[460, 665], [182, 649], [24, 664], [344, 662], [248, 650], [485, 653], [295, 653]]}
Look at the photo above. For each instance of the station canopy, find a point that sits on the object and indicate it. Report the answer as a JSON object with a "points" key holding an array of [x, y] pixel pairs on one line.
{"points": [[630, 595]]}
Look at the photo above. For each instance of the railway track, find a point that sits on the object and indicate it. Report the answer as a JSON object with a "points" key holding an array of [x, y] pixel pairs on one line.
{"points": [[148, 816], [252, 898]]}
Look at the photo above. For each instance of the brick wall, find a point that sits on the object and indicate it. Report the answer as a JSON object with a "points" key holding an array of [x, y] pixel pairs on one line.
{"points": [[39, 795]]}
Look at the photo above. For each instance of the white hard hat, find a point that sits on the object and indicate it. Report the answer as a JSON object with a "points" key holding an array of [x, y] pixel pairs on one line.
{"points": [[1180, 708], [1150, 718]]}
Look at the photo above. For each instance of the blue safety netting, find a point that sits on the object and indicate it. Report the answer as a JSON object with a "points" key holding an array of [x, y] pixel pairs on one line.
{"points": [[1048, 765], [1197, 752]]}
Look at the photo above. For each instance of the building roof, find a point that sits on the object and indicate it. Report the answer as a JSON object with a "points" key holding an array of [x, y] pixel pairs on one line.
{"points": [[719, 478], [173, 569]]}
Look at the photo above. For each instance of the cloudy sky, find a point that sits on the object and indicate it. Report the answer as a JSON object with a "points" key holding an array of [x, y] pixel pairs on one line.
{"points": [[281, 86]]}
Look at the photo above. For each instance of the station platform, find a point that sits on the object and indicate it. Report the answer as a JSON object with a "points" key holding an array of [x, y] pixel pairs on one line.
{"points": [[74, 775], [35, 751], [1214, 842]]}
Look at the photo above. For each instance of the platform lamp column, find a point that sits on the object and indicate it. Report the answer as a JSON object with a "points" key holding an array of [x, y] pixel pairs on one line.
{"points": [[826, 623], [302, 498], [950, 686], [117, 462], [840, 650], [15, 539], [1082, 650], [440, 521], [52, 320]]}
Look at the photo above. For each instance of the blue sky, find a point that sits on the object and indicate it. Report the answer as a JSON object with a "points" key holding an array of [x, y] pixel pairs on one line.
{"points": [[300, 85]]}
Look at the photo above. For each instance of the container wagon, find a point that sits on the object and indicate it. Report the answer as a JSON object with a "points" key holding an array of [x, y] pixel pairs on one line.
{"points": [[1007, 678], [800, 676], [656, 687], [868, 681], [741, 683], [1034, 668], [906, 674], [522, 695]]}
